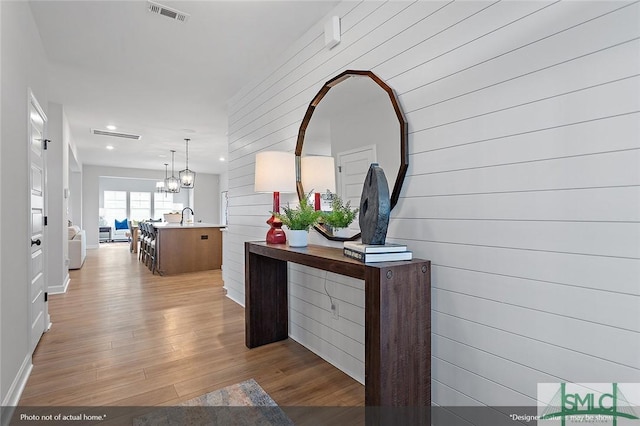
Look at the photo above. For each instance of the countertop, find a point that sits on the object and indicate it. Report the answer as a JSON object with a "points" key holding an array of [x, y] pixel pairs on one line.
{"points": [[167, 225]]}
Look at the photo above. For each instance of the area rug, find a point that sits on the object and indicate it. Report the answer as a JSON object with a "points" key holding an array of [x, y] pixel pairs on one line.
{"points": [[244, 403]]}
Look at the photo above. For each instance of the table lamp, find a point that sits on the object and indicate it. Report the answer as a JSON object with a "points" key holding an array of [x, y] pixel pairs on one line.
{"points": [[318, 174], [275, 172]]}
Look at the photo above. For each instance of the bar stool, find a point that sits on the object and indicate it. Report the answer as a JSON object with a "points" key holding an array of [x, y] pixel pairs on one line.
{"points": [[140, 236], [151, 249], [147, 244], [144, 239], [133, 238]]}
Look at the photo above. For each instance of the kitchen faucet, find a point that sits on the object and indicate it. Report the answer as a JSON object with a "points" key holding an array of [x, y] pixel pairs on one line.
{"points": [[182, 214]]}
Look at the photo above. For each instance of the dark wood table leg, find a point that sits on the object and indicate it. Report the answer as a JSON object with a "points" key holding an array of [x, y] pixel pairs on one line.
{"points": [[266, 309], [398, 336]]}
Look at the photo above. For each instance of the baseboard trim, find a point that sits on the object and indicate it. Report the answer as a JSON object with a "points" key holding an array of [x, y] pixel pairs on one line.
{"points": [[60, 289], [235, 299], [359, 377], [16, 389]]}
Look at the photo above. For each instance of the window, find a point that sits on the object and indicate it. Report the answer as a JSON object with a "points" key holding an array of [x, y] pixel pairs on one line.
{"points": [[163, 203], [115, 206], [140, 207], [136, 206]]}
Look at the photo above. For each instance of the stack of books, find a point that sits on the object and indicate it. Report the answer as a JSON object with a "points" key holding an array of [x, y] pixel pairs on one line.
{"points": [[369, 253]]}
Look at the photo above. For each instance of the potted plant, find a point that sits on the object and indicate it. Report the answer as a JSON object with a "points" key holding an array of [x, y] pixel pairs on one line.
{"points": [[341, 214], [299, 219]]}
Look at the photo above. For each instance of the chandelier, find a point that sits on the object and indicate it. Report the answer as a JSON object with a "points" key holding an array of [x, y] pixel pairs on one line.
{"points": [[172, 184], [187, 177], [160, 187]]}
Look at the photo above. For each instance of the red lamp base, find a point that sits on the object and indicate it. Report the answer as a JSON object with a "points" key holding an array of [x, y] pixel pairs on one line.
{"points": [[275, 234]]}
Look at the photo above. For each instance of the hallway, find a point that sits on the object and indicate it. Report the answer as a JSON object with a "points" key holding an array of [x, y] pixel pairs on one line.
{"points": [[124, 337]]}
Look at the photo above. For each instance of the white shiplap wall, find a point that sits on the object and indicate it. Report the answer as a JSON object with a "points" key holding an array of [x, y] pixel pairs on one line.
{"points": [[523, 187]]}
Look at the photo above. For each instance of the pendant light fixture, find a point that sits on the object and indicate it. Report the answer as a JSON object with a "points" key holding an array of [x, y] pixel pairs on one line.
{"points": [[160, 186], [172, 184], [187, 177]]}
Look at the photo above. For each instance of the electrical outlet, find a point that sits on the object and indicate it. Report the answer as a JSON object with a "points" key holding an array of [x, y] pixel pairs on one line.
{"points": [[334, 310]]}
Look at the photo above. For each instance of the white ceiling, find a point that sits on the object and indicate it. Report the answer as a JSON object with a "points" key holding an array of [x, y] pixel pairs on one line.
{"points": [[113, 62]]}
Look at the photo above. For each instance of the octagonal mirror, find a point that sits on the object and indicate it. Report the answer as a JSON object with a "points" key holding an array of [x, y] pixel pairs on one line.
{"points": [[356, 120]]}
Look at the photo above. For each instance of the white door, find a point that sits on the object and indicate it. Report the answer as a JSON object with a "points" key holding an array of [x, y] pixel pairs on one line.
{"points": [[353, 166], [38, 314]]}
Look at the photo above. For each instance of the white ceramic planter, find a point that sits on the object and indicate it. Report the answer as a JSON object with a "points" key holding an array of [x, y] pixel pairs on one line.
{"points": [[297, 238]]}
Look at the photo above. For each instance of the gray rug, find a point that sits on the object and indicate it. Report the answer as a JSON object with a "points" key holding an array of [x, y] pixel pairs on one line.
{"points": [[244, 403]]}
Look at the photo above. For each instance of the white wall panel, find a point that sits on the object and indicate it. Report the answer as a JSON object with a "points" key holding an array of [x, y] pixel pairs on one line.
{"points": [[454, 26], [593, 171], [349, 300], [591, 103], [321, 282], [609, 204], [562, 331], [517, 377], [591, 137], [535, 42], [319, 322], [596, 305], [472, 384], [523, 187], [333, 354], [597, 272], [600, 239], [562, 80], [441, 395], [557, 361]]}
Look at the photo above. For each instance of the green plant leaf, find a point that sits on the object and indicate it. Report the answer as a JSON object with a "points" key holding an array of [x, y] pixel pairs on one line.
{"points": [[301, 217], [341, 214]]}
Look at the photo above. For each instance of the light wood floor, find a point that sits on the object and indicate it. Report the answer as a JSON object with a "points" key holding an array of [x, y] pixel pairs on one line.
{"points": [[122, 337]]}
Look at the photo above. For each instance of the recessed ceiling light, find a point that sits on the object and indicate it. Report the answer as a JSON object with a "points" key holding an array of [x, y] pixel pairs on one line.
{"points": [[221, 158], [109, 147], [111, 127]]}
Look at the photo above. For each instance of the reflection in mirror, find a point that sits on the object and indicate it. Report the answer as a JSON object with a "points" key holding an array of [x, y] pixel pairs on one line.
{"points": [[317, 173], [355, 119]]}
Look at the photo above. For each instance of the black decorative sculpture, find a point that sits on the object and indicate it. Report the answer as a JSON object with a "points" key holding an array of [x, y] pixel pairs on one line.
{"points": [[375, 206]]}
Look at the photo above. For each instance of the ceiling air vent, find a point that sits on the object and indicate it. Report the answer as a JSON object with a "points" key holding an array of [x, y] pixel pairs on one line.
{"points": [[167, 11], [115, 134]]}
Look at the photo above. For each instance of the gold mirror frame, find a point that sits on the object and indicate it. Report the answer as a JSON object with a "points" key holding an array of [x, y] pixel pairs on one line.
{"points": [[404, 132]]}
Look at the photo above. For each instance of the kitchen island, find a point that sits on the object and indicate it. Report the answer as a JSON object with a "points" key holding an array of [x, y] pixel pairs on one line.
{"points": [[188, 248]]}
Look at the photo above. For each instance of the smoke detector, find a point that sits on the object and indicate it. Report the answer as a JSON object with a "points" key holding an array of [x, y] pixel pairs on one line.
{"points": [[169, 12], [115, 134]]}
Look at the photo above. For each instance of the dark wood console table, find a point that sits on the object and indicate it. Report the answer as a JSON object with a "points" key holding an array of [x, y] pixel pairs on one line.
{"points": [[397, 315]]}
